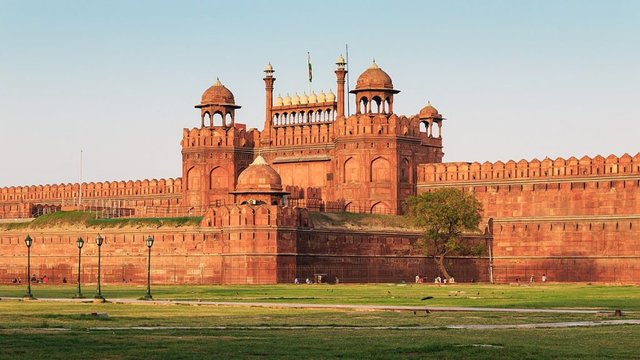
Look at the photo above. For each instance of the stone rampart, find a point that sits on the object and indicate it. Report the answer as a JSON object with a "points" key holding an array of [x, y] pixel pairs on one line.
{"points": [[573, 220]]}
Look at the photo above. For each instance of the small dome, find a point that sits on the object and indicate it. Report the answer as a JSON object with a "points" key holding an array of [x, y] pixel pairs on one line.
{"points": [[429, 112], [295, 100], [287, 100], [340, 60], [322, 97], [304, 99], [331, 97], [218, 94], [374, 78], [269, 68], [313, 98], [279, 100], [259, 177]]}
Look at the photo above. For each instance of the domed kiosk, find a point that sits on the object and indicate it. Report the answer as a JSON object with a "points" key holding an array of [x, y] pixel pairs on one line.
{"points": [[429, 116], [374, 86], [259, 184], [218, 100]]}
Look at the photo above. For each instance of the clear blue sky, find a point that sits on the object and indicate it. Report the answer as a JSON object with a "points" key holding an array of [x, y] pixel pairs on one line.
{"points": [[119, 79]]}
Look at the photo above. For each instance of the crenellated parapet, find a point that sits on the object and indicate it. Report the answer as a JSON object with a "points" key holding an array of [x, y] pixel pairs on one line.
{"points": [[218, 136], [248, 216], [106, 189], [379, 124], [534, 169]]}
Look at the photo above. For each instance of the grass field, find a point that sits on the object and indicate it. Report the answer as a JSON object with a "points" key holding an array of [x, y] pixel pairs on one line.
{"points": [[88, 219], [468, 295], [70, 330]]}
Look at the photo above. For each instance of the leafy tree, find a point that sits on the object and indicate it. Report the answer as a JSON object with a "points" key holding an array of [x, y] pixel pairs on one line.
{"points": [[444, 214]]}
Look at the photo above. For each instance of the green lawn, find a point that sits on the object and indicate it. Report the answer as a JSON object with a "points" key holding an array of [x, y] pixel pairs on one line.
{"points": [[479, 295], [47, 329]]}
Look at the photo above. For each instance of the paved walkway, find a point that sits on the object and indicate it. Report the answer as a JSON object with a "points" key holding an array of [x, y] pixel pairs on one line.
{"points": [[329, 306], [333, 327]]}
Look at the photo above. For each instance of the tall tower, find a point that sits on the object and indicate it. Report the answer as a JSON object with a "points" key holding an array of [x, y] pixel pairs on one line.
{"points": [[341, 73], [213, 155], [268, 113]]}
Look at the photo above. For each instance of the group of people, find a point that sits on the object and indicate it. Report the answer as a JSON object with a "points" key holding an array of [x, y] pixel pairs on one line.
{"points": [[309, 281], [438, 280], [532, 279], [36, 280]]}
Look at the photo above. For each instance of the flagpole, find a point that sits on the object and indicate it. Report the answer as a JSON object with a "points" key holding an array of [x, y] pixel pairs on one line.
{"points": [[310, 74], [80, 185]]}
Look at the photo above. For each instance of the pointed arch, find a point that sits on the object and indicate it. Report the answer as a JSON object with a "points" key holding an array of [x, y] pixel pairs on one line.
{"points": [[193, 178], [379, 208], [405, 171], [380, 170], [351, 170], [218, 178]]}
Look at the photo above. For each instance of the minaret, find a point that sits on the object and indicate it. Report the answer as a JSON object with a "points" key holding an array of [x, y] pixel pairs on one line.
{"points": [[341, 73], [268, 115]]}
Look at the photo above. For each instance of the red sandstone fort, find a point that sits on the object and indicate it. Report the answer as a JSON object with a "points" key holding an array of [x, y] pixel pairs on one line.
{"points": [[571, 219]]}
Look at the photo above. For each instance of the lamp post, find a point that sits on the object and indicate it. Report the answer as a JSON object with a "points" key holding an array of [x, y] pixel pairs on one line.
{"points": [[79, 243], [99, 297], [28, 241], [148, 296]]}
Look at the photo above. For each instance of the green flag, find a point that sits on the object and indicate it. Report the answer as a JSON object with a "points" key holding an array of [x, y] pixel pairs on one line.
{"points": [[309, 63]]}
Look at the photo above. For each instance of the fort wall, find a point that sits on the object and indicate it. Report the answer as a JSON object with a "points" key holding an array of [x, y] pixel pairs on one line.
{"points": [[233, 245], [20, 201], [574, 220]]}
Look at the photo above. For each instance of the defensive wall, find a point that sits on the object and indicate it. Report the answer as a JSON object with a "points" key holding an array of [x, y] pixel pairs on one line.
{"points": [[573, 219], [239, 244], [24, 201]]}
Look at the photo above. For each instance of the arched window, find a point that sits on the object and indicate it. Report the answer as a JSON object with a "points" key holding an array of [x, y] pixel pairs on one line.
{"points": [[379, 106], [405, 171], [217, 118], [380, 170], [218, 178], [193, 179], [351, 171], [362, 105]]}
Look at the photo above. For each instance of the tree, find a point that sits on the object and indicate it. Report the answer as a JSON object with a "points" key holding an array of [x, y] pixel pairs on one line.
{"points": [[444, 214]]}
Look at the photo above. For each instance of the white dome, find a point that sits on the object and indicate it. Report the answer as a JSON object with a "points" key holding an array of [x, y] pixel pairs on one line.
{"points": [[331, 97], [313, 98]]}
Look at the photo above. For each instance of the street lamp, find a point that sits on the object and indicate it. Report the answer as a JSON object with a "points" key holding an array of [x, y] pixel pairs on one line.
{"points": [[99, 297], [80, 244], [148, 296], [28, 241]]}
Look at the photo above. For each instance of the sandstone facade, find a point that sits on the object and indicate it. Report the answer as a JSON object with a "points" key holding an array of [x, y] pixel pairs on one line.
{"points": [[573, 219]]}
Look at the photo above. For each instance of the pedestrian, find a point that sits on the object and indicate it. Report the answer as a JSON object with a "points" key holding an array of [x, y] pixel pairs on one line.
{"points": [[296, 281], [544, 277]]}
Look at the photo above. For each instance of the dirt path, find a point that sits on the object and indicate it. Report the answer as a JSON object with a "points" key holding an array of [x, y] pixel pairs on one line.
{"points": [[336, 306]]}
